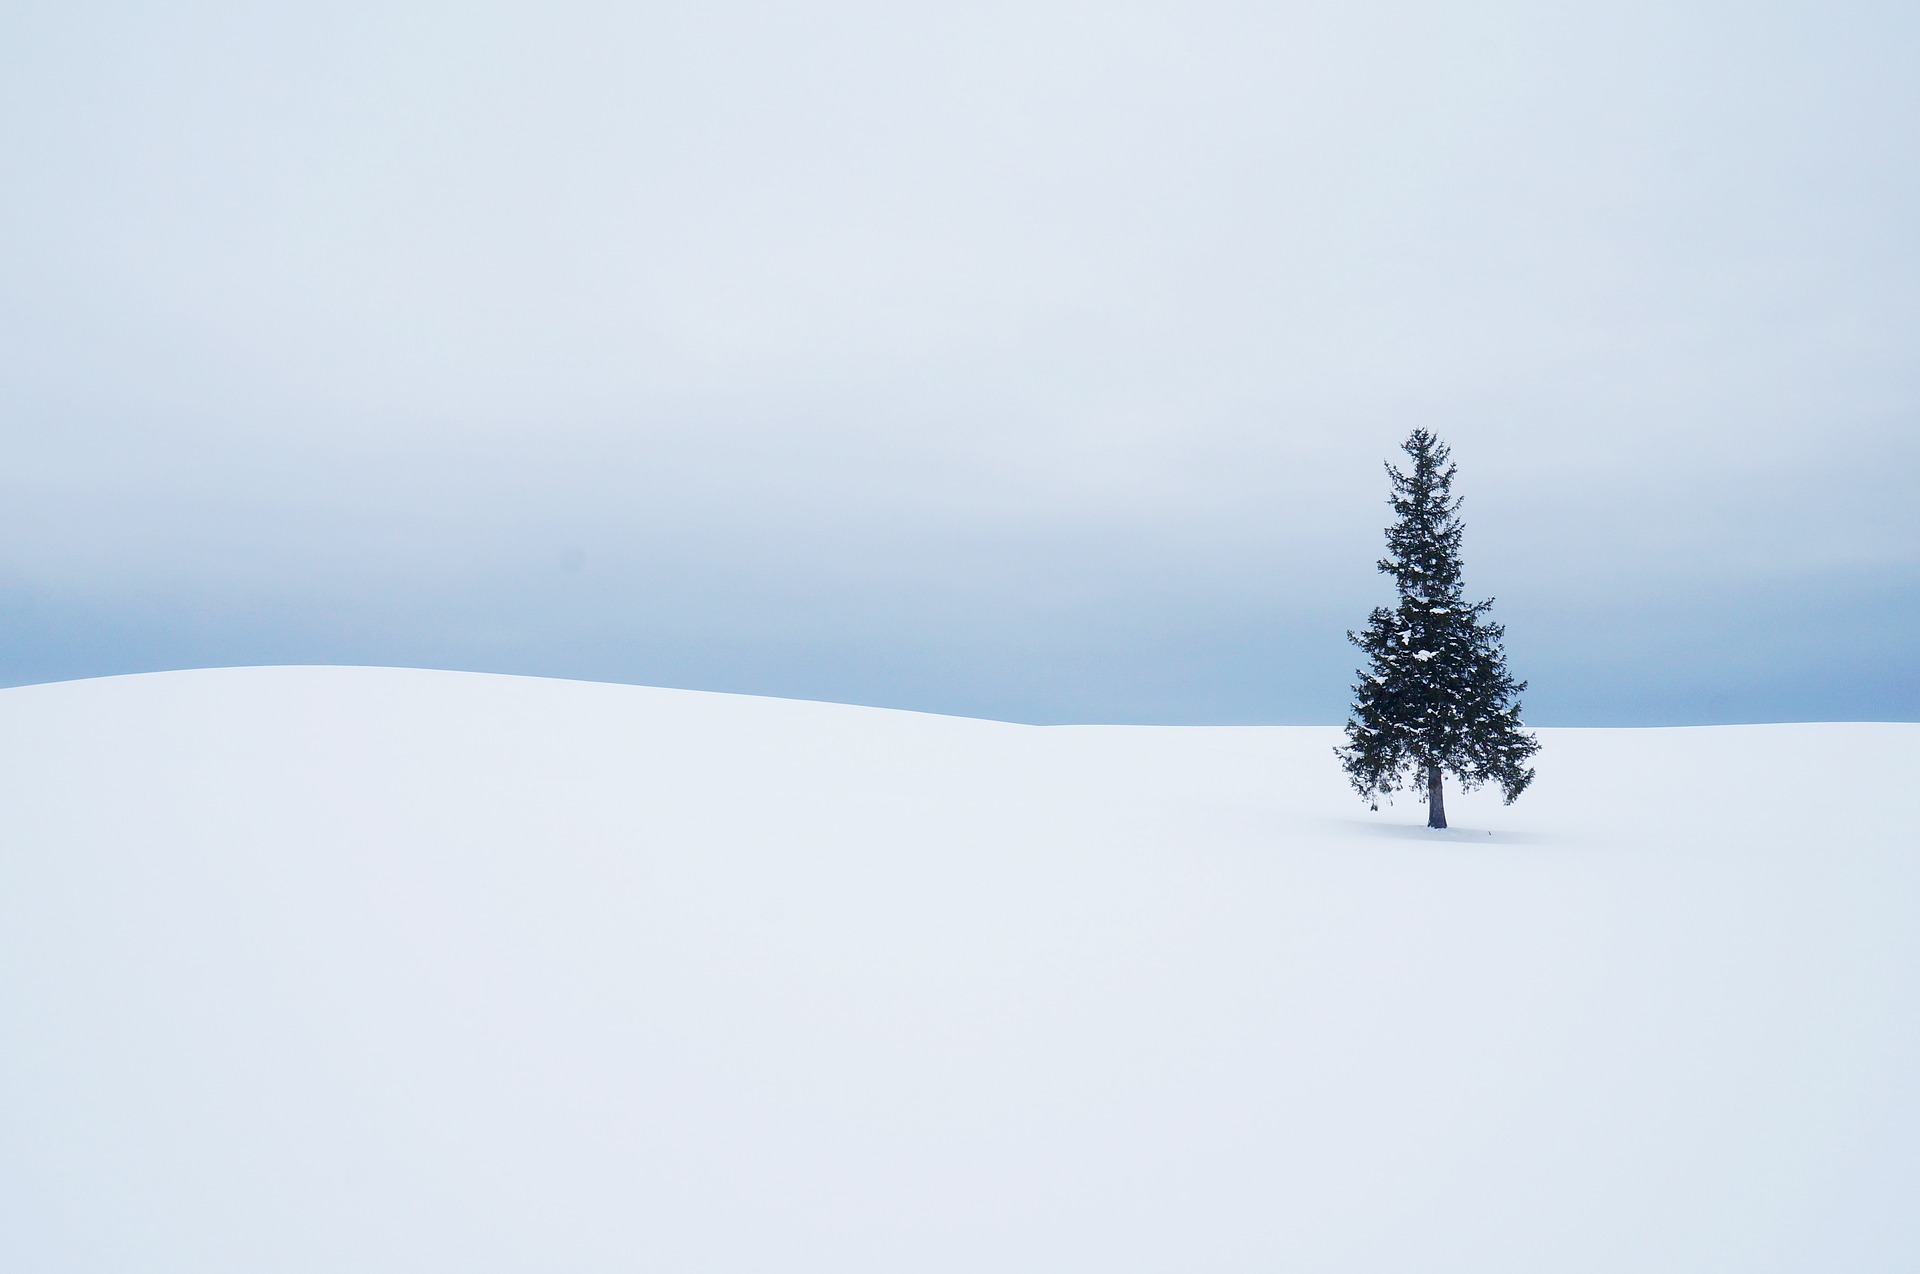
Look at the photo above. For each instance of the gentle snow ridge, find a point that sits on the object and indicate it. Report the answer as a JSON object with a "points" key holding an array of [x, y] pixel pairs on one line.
{"points": [[323, 969]]}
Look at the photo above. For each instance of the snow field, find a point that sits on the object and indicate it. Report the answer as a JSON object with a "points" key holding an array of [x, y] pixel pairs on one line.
{"points": [[326, 969]]}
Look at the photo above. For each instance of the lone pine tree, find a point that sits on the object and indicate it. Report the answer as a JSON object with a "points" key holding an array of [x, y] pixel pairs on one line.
{"points": [[1435, 695]]}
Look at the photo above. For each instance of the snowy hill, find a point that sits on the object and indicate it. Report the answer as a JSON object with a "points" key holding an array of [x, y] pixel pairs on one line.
{"points": [[328, 969]]}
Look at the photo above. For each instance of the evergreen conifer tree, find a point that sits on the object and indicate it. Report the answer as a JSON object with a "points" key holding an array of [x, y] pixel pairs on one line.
{"points": [[1435, 696]]}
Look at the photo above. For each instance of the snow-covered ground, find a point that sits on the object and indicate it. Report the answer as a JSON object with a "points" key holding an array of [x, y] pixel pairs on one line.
{"points": [[328, 969]]}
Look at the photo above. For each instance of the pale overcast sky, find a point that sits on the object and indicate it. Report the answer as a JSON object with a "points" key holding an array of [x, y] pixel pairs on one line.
{"points": [[1028, 360]]}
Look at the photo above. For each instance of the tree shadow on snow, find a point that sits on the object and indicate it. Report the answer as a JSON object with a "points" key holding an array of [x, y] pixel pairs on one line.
{"points": [[1461, 835]]}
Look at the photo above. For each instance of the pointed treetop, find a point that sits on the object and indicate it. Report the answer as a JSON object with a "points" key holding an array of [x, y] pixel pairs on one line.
{"points": [[1423, 546]]}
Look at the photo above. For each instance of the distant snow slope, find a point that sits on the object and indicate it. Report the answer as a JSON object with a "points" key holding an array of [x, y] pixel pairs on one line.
{"points": [[335, 969]]}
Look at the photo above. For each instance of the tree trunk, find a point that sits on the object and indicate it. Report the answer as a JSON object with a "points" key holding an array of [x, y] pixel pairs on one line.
{"points": [[1436, 799]]}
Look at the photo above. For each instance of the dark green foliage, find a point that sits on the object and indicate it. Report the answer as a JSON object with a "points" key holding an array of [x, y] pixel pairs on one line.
{"points": [[1435, 696]]}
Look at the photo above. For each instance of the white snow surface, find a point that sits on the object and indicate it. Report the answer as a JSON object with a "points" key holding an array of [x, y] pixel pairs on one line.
{"points": [[351, 969]]}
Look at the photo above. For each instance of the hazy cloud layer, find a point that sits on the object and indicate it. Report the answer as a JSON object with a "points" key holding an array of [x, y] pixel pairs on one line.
{"points": [[1032, 360]]}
